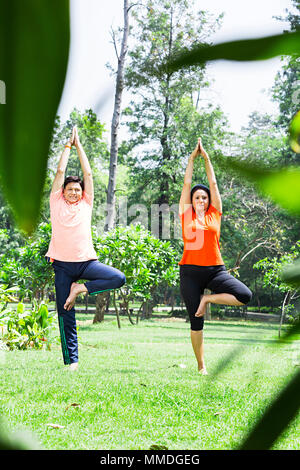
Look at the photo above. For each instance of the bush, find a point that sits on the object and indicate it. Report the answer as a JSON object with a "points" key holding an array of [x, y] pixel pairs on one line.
{"points": [[26, 266], [147, 262], [27, 328]]}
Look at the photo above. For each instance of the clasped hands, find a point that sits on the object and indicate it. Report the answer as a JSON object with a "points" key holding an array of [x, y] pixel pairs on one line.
{"points": [[199, 150], [74, 139]]}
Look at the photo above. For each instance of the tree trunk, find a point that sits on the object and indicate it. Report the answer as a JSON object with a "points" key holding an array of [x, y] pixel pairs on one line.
{"points": [[172, 303], [139, 312], [107, 302], [86, 302], [115, 124], [166, 152], [116, 310], [100, 307], [285, 303], [148, 307]]}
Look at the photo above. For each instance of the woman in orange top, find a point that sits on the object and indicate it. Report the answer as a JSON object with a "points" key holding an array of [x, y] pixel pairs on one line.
{"points": [[201, 266]]}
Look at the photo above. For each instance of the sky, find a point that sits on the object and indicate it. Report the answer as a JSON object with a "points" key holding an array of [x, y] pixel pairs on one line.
{"points": [[239, 88]]}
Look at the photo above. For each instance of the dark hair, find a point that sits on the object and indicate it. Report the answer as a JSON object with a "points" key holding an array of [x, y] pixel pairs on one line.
{"points": [[200, 186], [74, 179]]}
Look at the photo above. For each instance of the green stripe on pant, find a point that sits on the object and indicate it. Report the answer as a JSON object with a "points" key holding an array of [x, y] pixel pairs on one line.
{"points": [[63, 340]]}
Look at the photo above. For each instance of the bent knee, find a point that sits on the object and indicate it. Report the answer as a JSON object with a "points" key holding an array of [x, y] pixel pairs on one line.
{"points": [[120, 279], [245, 296]]}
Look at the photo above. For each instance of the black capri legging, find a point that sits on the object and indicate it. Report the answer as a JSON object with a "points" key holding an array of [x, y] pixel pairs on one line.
{"points": [[194, 279]]}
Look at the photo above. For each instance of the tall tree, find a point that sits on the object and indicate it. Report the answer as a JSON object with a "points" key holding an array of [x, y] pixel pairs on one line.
{"points": [[116, 119]]}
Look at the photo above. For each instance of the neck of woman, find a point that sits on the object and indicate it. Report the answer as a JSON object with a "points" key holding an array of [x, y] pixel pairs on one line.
{"points": [[200, 214]]}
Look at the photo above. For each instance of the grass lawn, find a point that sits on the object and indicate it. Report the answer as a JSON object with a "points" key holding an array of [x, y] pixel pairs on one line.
{"points": [[133, 392]]}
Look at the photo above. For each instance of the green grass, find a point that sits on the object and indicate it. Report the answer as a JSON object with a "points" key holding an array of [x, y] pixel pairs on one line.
{"points": [[133, 394]]}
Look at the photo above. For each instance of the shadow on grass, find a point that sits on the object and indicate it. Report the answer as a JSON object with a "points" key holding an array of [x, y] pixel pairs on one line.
{"points": [[240, 340], [91, 327], [242, 324], [184, 325]]}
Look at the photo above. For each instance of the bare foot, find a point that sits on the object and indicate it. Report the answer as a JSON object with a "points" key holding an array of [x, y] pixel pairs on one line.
{"points": [[202, 307], [75, 290], [73, 366], [201, 368]]}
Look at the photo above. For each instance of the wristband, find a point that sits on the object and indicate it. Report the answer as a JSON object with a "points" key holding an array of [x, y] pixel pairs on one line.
{"points": [[68, 146]]}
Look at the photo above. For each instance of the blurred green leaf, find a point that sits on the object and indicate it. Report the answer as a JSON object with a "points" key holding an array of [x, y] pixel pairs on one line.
{"points": [[291, 334], [242, 50], [282, 185], [17, 440], [34, 39], [295, 133], [276, 418], [291, 274]]}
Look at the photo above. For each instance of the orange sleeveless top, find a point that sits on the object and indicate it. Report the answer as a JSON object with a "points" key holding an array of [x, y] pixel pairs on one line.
{"points": [[201, 239]]}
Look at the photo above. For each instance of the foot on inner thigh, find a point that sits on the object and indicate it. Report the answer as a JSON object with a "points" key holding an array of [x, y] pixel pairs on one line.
{"points": [[202, 307], [75, 290]]}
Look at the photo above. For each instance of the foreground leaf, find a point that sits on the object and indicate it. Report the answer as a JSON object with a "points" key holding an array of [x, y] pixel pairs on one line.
{"points": [[34, 42], [276, 418], [242, 50], [158, 447], [291, 334], [19, 440], [291, 274], [295, 133], [281, 185]]}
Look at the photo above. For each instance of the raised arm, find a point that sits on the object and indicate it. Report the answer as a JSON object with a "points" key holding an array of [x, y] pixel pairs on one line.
{"points": [[185, 198], [215, 197], [62, 165], [85, 166]]}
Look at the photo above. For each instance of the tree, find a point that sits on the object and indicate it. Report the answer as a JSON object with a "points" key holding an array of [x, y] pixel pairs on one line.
{"points": [[116, 119], [273, 278], [286, 89], [162, 98], [146, 262]]}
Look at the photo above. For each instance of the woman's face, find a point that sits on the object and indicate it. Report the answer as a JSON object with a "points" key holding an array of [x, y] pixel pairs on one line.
{"points": [[73, 192], [200, 200]]}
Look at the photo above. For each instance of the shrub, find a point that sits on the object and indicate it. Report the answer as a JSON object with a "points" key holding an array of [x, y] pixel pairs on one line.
{"points": [[147, 262], [27, 328]]}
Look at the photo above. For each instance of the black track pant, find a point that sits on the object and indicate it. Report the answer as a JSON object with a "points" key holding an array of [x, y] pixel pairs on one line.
{"points": [[194, 279]]}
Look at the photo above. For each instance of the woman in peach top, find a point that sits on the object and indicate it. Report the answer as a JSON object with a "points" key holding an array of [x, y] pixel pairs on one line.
{"points": [[71, 248], [201, 266]]}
